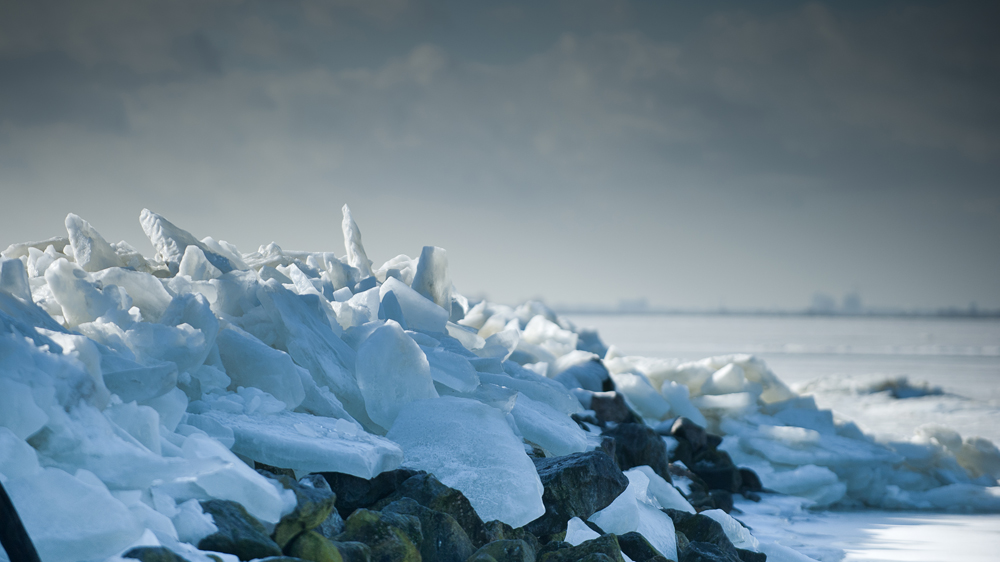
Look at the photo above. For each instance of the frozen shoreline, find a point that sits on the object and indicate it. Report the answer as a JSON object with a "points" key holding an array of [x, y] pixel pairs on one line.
{"points": [[151, 388]]}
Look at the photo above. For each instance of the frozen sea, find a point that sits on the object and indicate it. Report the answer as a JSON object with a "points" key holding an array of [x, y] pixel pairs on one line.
{"points": [[842, 361]]}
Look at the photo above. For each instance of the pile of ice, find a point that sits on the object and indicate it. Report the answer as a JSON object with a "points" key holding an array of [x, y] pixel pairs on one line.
{"points": [[136, 386]]}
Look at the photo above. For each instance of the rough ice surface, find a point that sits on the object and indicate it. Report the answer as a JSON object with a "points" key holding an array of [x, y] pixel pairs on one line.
{"points": [[577, 532], [143, 385], [475, 451]]}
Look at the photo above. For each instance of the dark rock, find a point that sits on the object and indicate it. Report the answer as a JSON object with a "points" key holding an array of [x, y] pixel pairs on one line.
{"points": [[606, 544], [444, 540], [576, 485], [682, 540], [551, 546], [637, 547], [611, 407], [239, 532], [705, 552], [508, 551], [482, 557], [750, 556], [383, 535], [498, 530], [750, 480], [353, 551], [684, 429], [426, 490], [701, 529], [697, 494], [282, 559], [154, 554], [353, 492], [273, 471], [722, 499], [637, 445], [596, 557], [717, 470], [313, 546], [314, 504]]}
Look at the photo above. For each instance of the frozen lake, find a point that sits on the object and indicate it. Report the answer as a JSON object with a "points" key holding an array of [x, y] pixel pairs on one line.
{"points": [[838, 360]]}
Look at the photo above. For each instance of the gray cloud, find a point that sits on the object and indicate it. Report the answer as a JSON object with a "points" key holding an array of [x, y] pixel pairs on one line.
{"points": [[752, 155]]}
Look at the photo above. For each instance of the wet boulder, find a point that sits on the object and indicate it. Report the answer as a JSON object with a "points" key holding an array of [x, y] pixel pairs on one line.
{"points": [[576, 485]]}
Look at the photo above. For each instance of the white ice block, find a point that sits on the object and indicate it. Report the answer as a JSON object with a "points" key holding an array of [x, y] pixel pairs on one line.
{"points": [[60, 512], [421, 313], [431, 278], [248, 362], [90, 250], [468, 445], [309, 443], [392, 371]]}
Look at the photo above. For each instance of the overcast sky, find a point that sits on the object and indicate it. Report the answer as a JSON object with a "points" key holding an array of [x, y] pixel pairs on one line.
{"points": [[695, 153]]}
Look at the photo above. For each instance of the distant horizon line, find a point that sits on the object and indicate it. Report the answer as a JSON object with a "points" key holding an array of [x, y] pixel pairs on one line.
{"points": [[944, 312]]}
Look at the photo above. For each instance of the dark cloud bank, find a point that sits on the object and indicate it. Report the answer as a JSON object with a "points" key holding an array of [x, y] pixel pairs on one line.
{"points": [[695, 154]]}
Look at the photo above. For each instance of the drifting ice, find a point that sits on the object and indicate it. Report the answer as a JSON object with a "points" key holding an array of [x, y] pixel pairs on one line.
{"points": [[138, 386]]}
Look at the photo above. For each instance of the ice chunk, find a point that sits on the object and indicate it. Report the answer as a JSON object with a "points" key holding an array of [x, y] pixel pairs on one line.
{"points": [[170, 242], [665, 494], [431, 278], [468, 445], [171, 406], [642, 395], [91, 251], [312, 344], [577, 532], [622, 515], [633, 510], [308, 443], [133, 381], [17, 458], [535, 387], [59, 511], [195, 265], [549, 336], [237, 481], [356, 255], [81, 300], [680, 403], [392, 371], [736, 533], [421, 314], [548, 428], [248, 362], [14, 279], [184, 335], [500, 344], [451, 369], [192, 523], [141, 422], [817, 483], [726, 380], [19, 413], [146, 291]]}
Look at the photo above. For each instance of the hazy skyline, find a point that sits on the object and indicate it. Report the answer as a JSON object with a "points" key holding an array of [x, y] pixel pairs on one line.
{"points": [[698, 155]]}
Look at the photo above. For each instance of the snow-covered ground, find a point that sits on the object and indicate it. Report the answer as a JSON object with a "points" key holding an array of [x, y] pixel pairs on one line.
{"points": [[842, 362]]}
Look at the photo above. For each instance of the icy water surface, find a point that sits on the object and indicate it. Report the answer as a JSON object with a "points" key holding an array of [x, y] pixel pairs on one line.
{"points": [[842, 362]]}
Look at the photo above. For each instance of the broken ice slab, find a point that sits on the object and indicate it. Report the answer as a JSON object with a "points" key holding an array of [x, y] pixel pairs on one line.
{"points": [[307, 443], [469, 446], [421, 314]]}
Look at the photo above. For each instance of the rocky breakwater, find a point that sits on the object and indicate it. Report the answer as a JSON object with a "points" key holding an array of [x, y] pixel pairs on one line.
{"points": [[210, 404]]}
